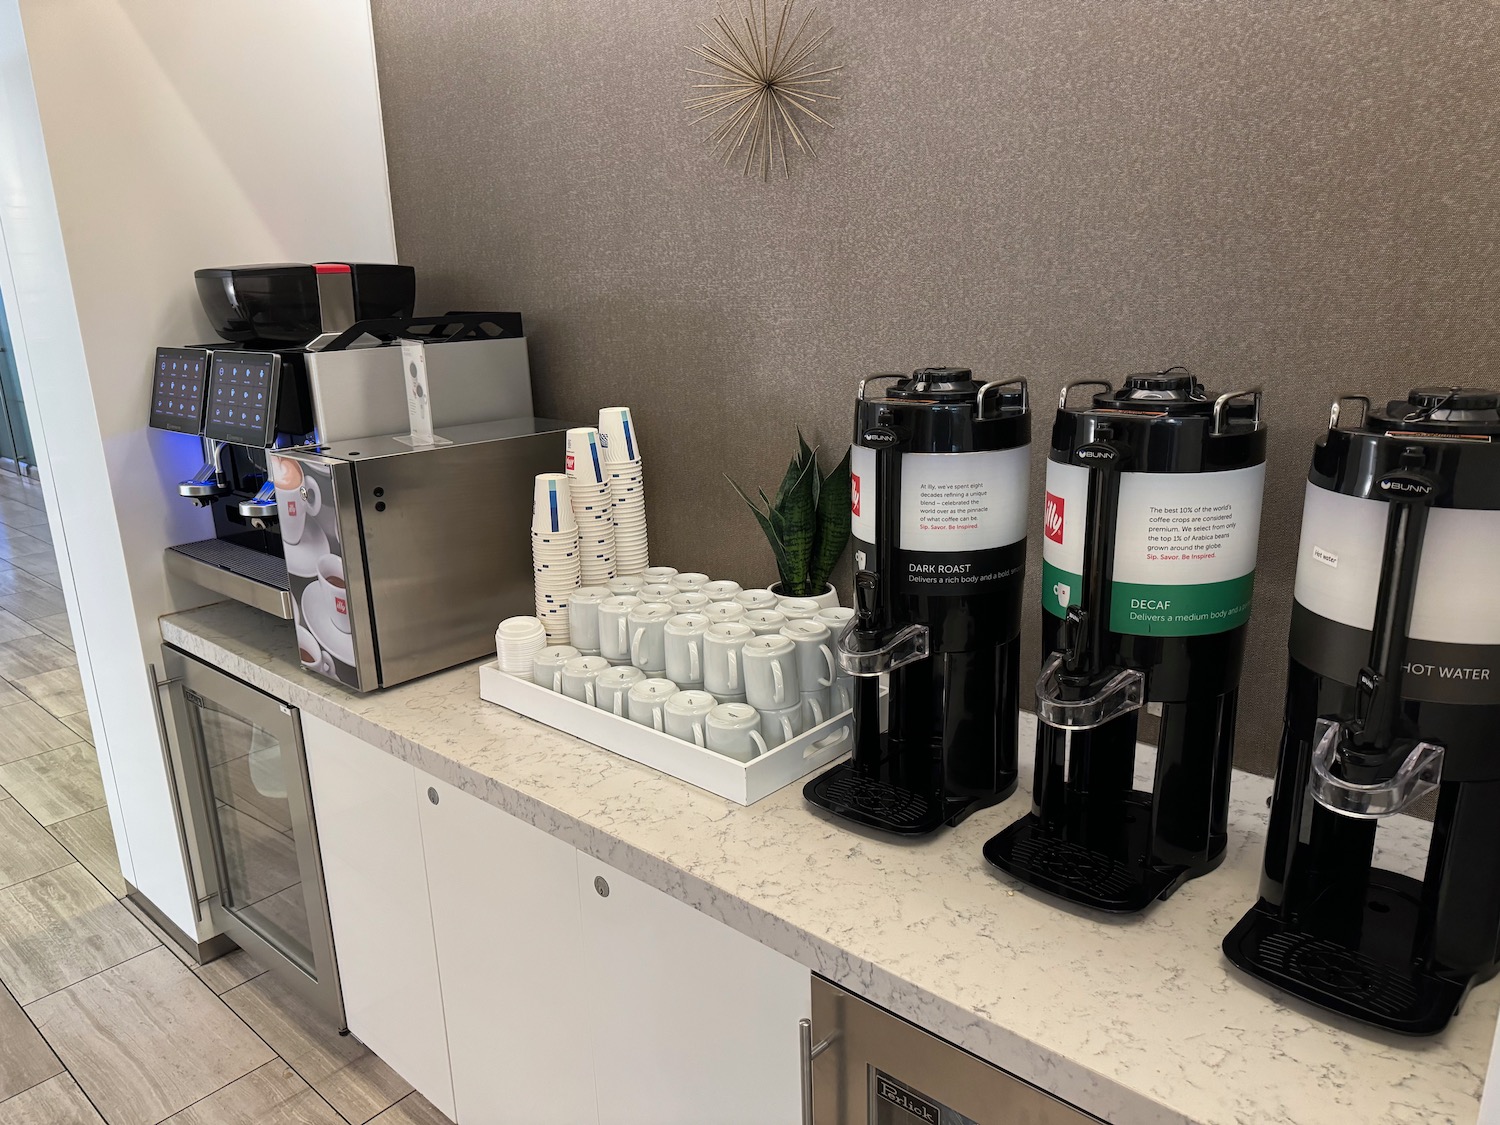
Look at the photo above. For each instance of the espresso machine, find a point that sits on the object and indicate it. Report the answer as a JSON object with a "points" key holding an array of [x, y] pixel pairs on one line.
{"points": [[1393, 693], [1152, 513], [939, 472]]}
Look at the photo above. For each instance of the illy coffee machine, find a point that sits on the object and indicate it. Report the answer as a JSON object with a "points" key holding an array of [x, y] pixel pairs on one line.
{"points": [[1151, 517], [940, 467], [1393, 692]]}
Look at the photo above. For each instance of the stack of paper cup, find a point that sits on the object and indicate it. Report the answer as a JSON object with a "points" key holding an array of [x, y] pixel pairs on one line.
{"points": [[622, 455], [517, 642], [588, 486], [554, 554]]}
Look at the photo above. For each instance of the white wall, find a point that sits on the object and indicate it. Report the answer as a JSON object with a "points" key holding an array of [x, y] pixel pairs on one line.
{"points": [[162, 136]]}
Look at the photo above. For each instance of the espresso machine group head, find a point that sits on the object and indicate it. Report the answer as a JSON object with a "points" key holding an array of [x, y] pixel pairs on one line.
{"points": [[1151, 518], [1393, 691], [939, 473]]}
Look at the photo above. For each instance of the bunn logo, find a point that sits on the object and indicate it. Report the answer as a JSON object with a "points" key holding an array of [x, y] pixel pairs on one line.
{"points": [[879, 437], [1405, 486], [1052, 518], [854, 491], [1095, 453]]}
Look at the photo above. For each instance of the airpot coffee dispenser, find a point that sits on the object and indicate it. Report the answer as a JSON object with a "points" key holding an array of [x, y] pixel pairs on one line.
{"points": [[940, 468], [1151, 518], [1393, 691]]}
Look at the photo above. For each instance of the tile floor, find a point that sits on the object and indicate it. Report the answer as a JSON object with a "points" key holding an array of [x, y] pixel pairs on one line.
{"points": [[100, 1019]]}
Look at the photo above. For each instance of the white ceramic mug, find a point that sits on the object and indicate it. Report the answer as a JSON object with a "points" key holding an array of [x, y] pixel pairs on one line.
{"points": [[836, 617], [614, 626], [689, 580], [646, 702], [686, 713], [331, 578], [688, 602], [720, 591], [625, 584], [612, 687], [722, 645], [728, 697], [842, 695], [770, 672], [547, 666], [733, 730], [296, 504], [580, 675], [798, 609], [757, 599], [783, 725], [682, 637], [648, 650], [583, 617], [816, 665], [654, 592], [658, 575], [764, 621], [723, 611], [816, 708]]}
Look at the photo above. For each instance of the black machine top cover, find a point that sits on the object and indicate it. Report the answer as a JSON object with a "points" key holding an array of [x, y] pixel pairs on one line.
{"points": [[278, 305]]}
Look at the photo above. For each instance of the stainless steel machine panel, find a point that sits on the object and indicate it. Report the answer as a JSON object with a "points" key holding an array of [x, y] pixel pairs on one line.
{"points": [[361, 390], [870, 1067]]}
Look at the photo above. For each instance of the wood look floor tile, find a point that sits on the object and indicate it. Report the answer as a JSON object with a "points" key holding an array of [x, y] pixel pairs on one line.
{"points": [[273, 1094], [342, 1069], [81, 723], [61, 927], [26, 849], [413, 1109], [60, 692], [30, 604], [57, 785], [45, 569], [229, 971], [25, 1058], [262, 861], [13, 628], [10, 694], [26, 729], [234, 782], [90, 839], [57, 1101], [56, 626], [31, 656], [146, 1038]]}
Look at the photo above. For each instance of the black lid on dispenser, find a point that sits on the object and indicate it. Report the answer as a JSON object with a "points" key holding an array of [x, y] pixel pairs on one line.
{"points": [[946, 410], [1440, 410]]}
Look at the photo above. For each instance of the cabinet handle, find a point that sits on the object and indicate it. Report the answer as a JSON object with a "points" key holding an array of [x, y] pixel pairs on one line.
{"points": [[808, 1051]]}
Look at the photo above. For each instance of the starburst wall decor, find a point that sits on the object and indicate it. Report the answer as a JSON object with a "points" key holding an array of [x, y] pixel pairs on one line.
{"points": [[764, 92]]}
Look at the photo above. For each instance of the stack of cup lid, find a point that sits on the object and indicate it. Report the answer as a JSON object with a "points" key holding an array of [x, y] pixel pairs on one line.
{"points": [[622, 457], [517, 642], [588, 486], [554, 554]]}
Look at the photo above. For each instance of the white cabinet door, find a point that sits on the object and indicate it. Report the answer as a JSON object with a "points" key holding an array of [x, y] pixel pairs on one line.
{"points": [[371, 842], [693, 1023], [505, 912]]}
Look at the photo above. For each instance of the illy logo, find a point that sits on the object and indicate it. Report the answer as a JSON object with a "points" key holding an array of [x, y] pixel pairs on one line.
{"points": [[341, 605], [1052, 518], [854, 493], [291, 508], [570, 462]]}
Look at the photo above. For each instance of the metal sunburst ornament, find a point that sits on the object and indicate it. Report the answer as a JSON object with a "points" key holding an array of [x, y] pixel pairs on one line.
{"points": [[765, 85]]}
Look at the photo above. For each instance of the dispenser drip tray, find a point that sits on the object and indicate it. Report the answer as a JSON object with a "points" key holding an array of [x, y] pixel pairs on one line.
{"points": [[866, 800], [1384, 991]]}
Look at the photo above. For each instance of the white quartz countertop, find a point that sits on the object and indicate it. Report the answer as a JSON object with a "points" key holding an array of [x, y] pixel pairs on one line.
{"points": [[1137, 1020]]}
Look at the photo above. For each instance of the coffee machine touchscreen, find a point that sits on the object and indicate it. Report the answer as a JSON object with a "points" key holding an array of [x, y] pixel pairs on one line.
{"points": [[177, 389], [242, 398]]}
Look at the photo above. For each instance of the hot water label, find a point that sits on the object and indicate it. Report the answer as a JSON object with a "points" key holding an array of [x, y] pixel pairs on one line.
{"points": [[1185, 548]]}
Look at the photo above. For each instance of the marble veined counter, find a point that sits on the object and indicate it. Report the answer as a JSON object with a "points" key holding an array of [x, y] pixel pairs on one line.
{"points": [[1138, 1021]]}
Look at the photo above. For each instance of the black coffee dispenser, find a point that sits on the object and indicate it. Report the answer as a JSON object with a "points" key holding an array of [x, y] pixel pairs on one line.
{"points": [[1393, 690], [1151, 520], [939, 467]]}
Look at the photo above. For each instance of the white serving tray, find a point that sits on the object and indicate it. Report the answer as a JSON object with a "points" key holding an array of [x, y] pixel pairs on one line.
{"points": [[742, 782]]}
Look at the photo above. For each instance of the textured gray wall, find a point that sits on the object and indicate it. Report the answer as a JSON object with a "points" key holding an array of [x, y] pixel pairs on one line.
{"points": [[1296, 194]]}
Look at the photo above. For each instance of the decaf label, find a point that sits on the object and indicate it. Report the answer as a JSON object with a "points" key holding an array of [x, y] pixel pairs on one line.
{"points": [[1185, 548]]}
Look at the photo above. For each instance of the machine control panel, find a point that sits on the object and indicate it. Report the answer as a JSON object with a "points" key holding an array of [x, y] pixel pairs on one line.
{"points": [[177, 389], [242, 392]]}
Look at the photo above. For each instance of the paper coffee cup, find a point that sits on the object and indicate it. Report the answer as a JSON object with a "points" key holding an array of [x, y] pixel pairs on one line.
{"points": [[552, 505], [618, 431]]}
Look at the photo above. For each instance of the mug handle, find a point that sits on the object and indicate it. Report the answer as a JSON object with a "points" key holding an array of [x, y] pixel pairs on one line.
{"points": [[827, 656], [635, 646], [755, 737], [620, 704], [693, 673], [734, 671], [557, 679], [779, 681], [698, 736], [315, 501], [787, 733], [656, 718], [817, 710], [624, 633], [588, 693]]}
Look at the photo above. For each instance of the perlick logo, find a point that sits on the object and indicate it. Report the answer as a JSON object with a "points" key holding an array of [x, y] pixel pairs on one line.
{"points": [[1052, 518], [854, 493]]}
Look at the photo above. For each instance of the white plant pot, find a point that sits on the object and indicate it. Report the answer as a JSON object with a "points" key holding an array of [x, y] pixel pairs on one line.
{"points": [[828, 599]]}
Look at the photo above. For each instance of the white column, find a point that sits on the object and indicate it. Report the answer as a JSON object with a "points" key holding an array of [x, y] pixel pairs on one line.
{"points": [[141, 140]]}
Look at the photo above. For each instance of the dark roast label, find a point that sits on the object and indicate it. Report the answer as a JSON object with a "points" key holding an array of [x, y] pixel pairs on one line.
{"points": [[955, 573], [1434, 671]]}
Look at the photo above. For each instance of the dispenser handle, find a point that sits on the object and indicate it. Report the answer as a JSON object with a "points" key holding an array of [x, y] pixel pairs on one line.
{"points": [[1334, 410], [1019, 381], [1062, 396], [1221, 407]]}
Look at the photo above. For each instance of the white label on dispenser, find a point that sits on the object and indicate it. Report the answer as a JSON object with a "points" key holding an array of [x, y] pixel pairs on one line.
{"points": [[862, 493], [953, 502], [1185, 548], [1457, 599]]}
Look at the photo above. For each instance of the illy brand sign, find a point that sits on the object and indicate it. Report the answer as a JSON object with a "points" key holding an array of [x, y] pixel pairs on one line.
{"points": [[854, 493], [1052, 518]]}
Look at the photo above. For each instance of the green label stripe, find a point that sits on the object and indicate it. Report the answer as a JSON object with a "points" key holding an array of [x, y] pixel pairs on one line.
{"points": [[1159, 611]]}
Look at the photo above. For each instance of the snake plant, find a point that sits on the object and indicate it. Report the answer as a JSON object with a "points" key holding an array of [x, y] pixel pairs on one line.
{"points": [[807, 523]]}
